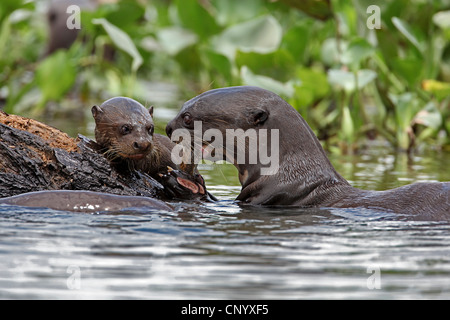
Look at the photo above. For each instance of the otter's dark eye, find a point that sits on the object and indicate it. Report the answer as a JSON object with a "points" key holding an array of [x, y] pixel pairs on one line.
{"points": [[187, 119], [125, 129], [151, 130]]}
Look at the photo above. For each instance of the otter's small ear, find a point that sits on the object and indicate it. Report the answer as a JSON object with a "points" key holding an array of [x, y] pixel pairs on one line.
{"points": [[259, 116], [96, 110], [150, 110]]}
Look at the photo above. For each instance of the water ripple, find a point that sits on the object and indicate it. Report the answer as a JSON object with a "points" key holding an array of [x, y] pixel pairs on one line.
{"points": [[221, 251]]}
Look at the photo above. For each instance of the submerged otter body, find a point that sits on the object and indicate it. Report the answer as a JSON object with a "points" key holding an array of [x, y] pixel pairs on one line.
{"points": [[304, 176], [83, 201]]}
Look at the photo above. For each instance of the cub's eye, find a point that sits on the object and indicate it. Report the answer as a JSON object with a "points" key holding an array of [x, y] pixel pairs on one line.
{"points": [[187, 119], [125, 129], [151, 130]]}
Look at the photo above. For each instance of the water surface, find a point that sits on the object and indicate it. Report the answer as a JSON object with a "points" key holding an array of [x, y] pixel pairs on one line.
{"points": [[221, 251]]}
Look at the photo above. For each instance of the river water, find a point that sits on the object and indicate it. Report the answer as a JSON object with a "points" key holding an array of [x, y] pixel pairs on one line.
{"points": [[221, 251]]}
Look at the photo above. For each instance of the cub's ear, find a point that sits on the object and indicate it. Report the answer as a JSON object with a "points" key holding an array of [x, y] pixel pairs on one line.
{"points": [[96, 110], [150, 110], [258, 116]]}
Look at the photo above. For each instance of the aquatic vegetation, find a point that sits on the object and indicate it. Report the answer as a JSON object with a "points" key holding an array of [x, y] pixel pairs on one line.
{"points": [[356, 70]]}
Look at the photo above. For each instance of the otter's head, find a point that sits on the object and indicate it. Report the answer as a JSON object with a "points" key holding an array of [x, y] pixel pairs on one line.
{"points": [[124, 128], [234, 107], [269, 135], [237, 124]]}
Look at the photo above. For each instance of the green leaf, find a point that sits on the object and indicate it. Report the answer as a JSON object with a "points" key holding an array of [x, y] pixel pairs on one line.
{"points": [[350, 81], [5, 34], [442, 19], [218, 62], [196, 18], [364, 77], [122, 41], [235, 11], [347, 126], [175, 39], [278, 64], [409, 33], [356, 51], [345, 13], [429, 116], [260, 35], [406, 107], [55, 75], [408, 69], [314, 86], [330, 51], [440, 89], [126, 12], [8, 6], [250, 79], [296, 40]]}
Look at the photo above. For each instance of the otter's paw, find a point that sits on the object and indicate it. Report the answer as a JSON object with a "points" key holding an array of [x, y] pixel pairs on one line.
{"points": [[181, 185]]}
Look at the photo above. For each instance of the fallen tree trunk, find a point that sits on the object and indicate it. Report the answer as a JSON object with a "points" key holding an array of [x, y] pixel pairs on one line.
{"points": [[35, 157]]}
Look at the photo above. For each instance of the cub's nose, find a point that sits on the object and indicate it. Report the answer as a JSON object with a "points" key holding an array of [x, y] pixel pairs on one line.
{"points": [[142, 146]]}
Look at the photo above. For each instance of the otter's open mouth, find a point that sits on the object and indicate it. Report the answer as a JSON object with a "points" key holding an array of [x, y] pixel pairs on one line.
{"points": [[208, 150], [212, 152], [205, 146]]}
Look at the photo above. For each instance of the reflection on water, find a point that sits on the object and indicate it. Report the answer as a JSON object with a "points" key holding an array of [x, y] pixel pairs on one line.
{"points": [[379, 169], [219, 250]]}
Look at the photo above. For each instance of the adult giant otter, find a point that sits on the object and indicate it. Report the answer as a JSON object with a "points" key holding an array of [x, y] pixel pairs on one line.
{"points": [[305, 176]]}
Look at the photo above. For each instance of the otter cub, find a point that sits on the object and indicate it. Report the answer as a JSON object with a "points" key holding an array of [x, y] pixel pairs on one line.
{"points": [[125, 131]]}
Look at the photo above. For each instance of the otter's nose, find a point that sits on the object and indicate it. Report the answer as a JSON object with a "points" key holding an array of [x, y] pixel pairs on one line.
{"points": [[169, 130], [142, 146]]}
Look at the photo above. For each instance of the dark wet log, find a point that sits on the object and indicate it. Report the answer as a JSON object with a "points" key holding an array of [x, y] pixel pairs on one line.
{"points": [[35, 157]]}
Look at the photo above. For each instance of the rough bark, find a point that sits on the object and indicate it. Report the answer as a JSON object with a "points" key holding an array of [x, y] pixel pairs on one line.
{"points": [[35, 157]]}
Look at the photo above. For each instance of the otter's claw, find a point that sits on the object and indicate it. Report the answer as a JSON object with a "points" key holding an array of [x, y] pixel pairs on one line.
{"points": [[181, 185]]}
